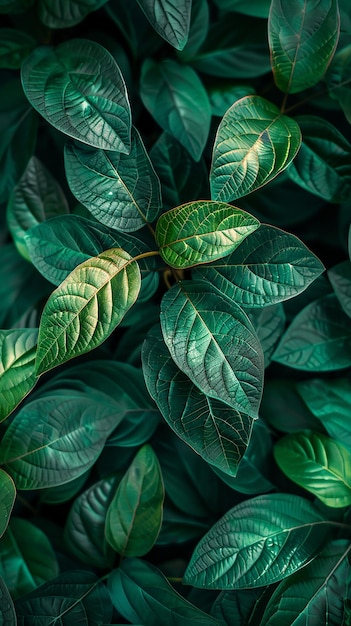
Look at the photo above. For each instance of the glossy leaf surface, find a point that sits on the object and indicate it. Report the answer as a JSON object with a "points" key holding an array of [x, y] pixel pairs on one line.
{"points": [[79, 89], [213, 342], [7, 499], [66, 13], [15, 46], [17, 358], [170, 19], [254, 143]]}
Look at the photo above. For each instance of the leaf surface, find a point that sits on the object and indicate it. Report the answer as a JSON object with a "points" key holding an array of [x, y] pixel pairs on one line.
{"points": [[7, 499], [340, 278], [17, 358], [66, 13], [15, 46], [170, 19], [7, 609], [338, 80]]}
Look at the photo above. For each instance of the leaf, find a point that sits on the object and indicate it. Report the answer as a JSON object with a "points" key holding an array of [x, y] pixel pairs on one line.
{"points": [[202, 231], [318, 339], [78, 88], [134, 517], [198, 31], [222, 96], [283, 409], [338, 80], [27, 558], [7, 499], [65, 492], [170, 19], [214, 343], [73, 597], [15, 46], [175, 96], [340, 278], [134, 27], [63, 13], [69, 435], [322, 165], [317, 463], [253, 144], [258, 542], [84, 310], [269, 323], [268, 267], [17, 358], [141, 593], [214, 430], [302, 39], [240, 607], [315, 594], [7, 609], [122, 192], [259, 8]]}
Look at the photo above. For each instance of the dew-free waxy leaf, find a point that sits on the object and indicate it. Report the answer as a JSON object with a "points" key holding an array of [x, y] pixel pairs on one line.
{"points": [[254, 143], [15, 46], [7, 499], [170, 19], [84, 310], [302, 37], [79, 89], [66, 13], [17, 358]]}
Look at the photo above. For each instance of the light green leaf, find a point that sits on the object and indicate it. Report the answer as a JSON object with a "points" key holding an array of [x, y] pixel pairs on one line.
{"points": [[122, 192], [17, 358], [85, 309], [15, 46], [302, 38], [66, 13], [318, 339], [79, 89], [170, 19], [268, 267], [338, 80], [213, 342], [259, 8], [134, 517], [7, 499], [317, 463], [27, 558], [254, 143], [7, 609], [202, 231], [258, 542], [340, 278], [175, 96]]}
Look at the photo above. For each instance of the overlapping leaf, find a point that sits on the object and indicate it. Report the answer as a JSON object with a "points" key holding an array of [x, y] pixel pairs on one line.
{"points": [[15, 46], [238, 607], [340, 278], [17, 358], [7, 609], [269, 323], [338, 80], [198, 31], [254, 143], [260, 8], [66, 13], [7, 499], [170, 19], [79, 89]]}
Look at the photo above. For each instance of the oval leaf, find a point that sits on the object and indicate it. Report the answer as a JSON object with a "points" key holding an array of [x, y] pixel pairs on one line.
{"points": [[7, 499], [17, 358], [79, 89], [15, 46], [254, 143], [66, 13], [170, 19]]}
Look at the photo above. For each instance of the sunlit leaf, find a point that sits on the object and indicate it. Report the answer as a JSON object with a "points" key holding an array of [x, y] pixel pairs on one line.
{"points": [[17, 358], [66, 13], [170, 19], [340, 278], [254, 143], [15, 46], [7, 609], [7, 499]]}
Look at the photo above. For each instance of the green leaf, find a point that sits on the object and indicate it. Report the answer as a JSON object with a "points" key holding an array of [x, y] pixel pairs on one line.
{"points": [[259, 8], [338, 80], [202, 231], [254, 143], [14, 6], [302, 39], [318, 339], [78, 88], [199, 26], [240, 607], [7, 609], [66, 13], [222, 96], [258, 542], [134, 517], [7, 499], [69, 435], [15, 46], [317, 463], [122, 192], [323, 163], [340, 278], [214, 430], [141, 593], [315, 594], [84, 310], [268, 267], [137, 32], [17, 358], [284, 410], [65, 492], [269, 323], [170, 19], [175, 96], [27, 558], [213, 342]]}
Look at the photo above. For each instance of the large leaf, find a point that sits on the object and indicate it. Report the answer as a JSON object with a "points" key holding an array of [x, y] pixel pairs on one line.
{"points": [[7, 609], [258, 542], [66, 13], [17, 358], [79, 89], [177, 99], [240, 607], [202, 231], [134, 517], [170, 19], [84, 310], [340, 278], [223, 95], [269, 323], [121, 191], [268, 267], [318, 339], [338, 80], [214, 430], [7, 499], [213, 342], [199, 26], [15, 46], [317, 463], [254, 143], [142, 594], [302, 38], [283, 409], [134, 28], [259, 8]]}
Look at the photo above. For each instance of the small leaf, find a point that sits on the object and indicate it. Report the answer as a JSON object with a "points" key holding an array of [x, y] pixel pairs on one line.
{"points": [[317, 463], [66, 13], [84, 310], [202, 231], [302, 39], [78, 88], [254, 143], [258, 542], [15, 46], [7, 499], [338, 80], [17, 358], [7, 609], [170, 19], [340, 278], [213, 342]]}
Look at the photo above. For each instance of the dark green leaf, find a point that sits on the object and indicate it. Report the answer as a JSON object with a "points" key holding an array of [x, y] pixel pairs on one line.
{"points": [[244, 607], [254, 143], [66, 13], [213, 342], [17, 358], [259, 8], [7, 609], [283, 409], [170, 19], [134, 27], [269, 323], [15, 6], [223, 96], [340, 278], [199, 25], [338, 80], [15, 46], [258, 542], [7, 499], [65, 492], [79, 89]]}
